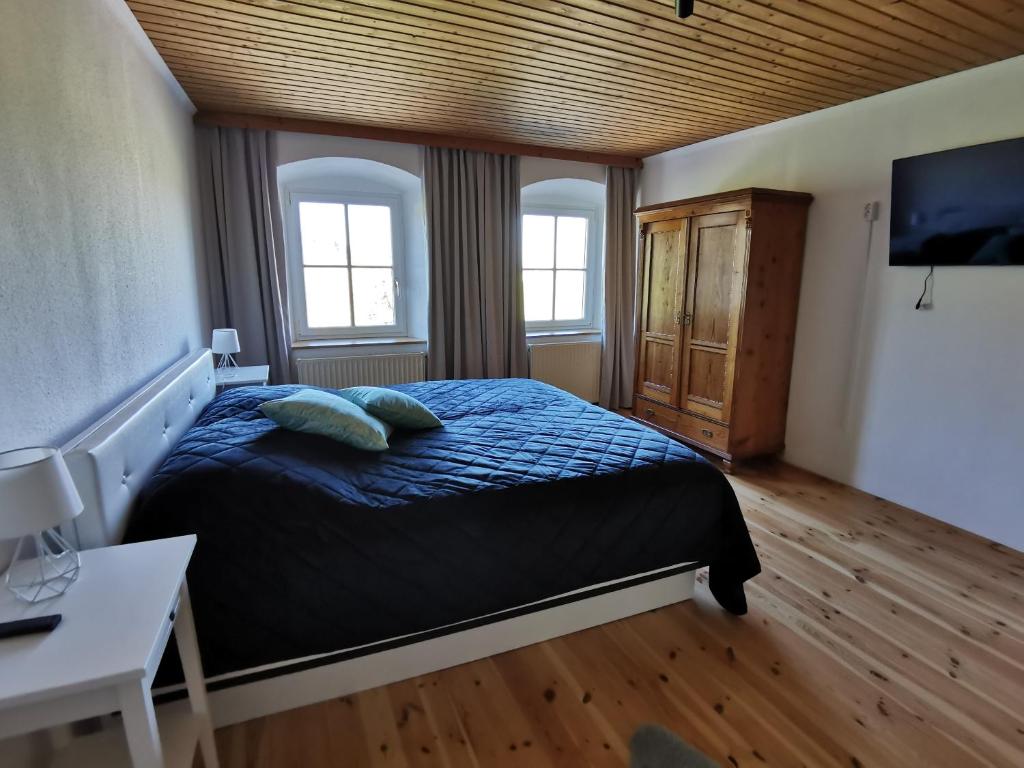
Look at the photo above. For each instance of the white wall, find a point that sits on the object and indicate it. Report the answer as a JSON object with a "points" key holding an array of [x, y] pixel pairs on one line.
{"points": [[99, 286], [304, 146], [292, 147], [534, 169], [99, 283], [922, 407]]}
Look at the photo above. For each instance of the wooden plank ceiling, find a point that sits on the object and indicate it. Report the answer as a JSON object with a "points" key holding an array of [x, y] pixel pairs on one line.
{"points": [[624, 77]]}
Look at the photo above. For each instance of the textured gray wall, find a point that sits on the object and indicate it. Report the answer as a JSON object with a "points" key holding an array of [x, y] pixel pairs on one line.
{"points": [[99, 283]]}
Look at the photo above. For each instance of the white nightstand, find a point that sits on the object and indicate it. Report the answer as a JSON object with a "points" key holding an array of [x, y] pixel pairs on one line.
{"points": [[101, 658], [243, 376]]}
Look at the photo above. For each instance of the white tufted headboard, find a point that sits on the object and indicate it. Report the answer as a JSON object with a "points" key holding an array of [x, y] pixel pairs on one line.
{"points": [[112, 460]]}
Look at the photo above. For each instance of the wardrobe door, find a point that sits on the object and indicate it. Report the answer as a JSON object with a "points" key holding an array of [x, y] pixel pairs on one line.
{"points": [[717, 254], [661, 300]]}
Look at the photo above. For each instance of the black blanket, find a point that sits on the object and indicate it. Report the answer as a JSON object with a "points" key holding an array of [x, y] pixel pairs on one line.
{"points": [[307, 547]]}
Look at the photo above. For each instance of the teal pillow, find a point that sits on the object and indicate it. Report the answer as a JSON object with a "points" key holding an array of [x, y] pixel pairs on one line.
{"points": [[396, 408], [321, 413]]}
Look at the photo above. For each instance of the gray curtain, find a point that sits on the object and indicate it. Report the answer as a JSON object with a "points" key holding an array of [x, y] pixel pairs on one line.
{"points": [[476, 320], [619, 287], [242, 234]]}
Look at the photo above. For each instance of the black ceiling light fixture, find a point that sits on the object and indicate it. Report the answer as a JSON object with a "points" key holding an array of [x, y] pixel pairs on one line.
{"points": [[684, 8]]}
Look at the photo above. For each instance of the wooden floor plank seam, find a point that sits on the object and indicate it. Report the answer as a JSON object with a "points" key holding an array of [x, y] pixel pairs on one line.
{"points": [[953, 659], [880, 673], [953, 669], [950, 564], [950, 599]]}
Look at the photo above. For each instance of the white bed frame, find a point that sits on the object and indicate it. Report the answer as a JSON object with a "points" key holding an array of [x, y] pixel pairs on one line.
{"points": [[111, 462]]}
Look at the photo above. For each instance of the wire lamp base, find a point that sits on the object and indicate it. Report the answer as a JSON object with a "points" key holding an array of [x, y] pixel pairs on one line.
{"points": [[44, 566], [227, 361]]}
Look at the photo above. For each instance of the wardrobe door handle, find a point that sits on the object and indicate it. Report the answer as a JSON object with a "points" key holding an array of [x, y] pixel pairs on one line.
{"points": [[687, 319]]}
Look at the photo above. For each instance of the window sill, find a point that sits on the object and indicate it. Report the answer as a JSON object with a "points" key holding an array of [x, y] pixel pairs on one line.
{"points": [[380, 341], [567, 335]]}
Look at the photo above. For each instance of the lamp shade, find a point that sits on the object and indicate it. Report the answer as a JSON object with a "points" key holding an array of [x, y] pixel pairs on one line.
{"points": [[36, 492], [225, 341]]}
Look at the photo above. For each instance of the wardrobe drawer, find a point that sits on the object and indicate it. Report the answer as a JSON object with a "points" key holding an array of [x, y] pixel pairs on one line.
{"points": [[653, 413], [702, 431]]}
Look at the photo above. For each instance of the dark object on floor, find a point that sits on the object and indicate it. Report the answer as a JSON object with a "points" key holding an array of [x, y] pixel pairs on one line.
{"points": [[729, 595], [684, 8], [655, 747]]}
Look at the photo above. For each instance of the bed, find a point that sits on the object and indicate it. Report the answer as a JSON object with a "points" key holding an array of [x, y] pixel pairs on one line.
{"points": [[321, 569]]}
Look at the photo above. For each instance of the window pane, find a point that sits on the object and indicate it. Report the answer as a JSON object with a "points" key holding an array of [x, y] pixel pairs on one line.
{"points": [[538, 242], [322, 228], [373, 290], [572, 242], [370, 234], [537, 287], [327, 298], [569, 292]]}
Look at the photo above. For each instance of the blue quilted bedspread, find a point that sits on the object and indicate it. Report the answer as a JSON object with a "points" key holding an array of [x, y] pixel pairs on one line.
{"points": [[307, 546]]}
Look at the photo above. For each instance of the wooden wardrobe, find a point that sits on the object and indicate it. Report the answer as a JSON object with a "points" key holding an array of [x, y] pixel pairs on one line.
{"points": [[719, 281]]}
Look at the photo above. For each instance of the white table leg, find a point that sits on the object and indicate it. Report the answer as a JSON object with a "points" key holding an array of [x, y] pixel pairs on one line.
{"points": [[140, 725], [188, 650]]}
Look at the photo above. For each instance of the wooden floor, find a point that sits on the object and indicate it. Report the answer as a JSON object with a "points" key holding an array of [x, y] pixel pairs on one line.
{"points": [[876, 637]]}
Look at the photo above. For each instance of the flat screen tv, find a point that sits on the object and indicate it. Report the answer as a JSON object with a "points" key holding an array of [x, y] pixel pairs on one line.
{"points": [[959, 207]]}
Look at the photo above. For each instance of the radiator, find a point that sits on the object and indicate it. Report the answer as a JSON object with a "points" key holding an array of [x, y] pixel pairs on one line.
{"points": [[373, 370], [574, 367]]}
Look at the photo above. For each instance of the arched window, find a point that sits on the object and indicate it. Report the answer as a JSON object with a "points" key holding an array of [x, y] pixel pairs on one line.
{"points": [[563, 226], [353, 231]]}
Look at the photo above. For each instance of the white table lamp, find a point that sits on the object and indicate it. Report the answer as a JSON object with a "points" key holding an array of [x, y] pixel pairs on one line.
{"points": [[225, 344], [36, 495]]}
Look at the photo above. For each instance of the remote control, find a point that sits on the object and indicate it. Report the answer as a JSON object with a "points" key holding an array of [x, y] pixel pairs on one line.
{"points": [[29, 626]]}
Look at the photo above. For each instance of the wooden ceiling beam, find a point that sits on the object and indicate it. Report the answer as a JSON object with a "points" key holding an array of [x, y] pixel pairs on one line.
{"points": [[349, 130]]}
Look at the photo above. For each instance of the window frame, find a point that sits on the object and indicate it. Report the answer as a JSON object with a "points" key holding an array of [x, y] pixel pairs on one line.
{"points": [[592, 256], [296, 274]]}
